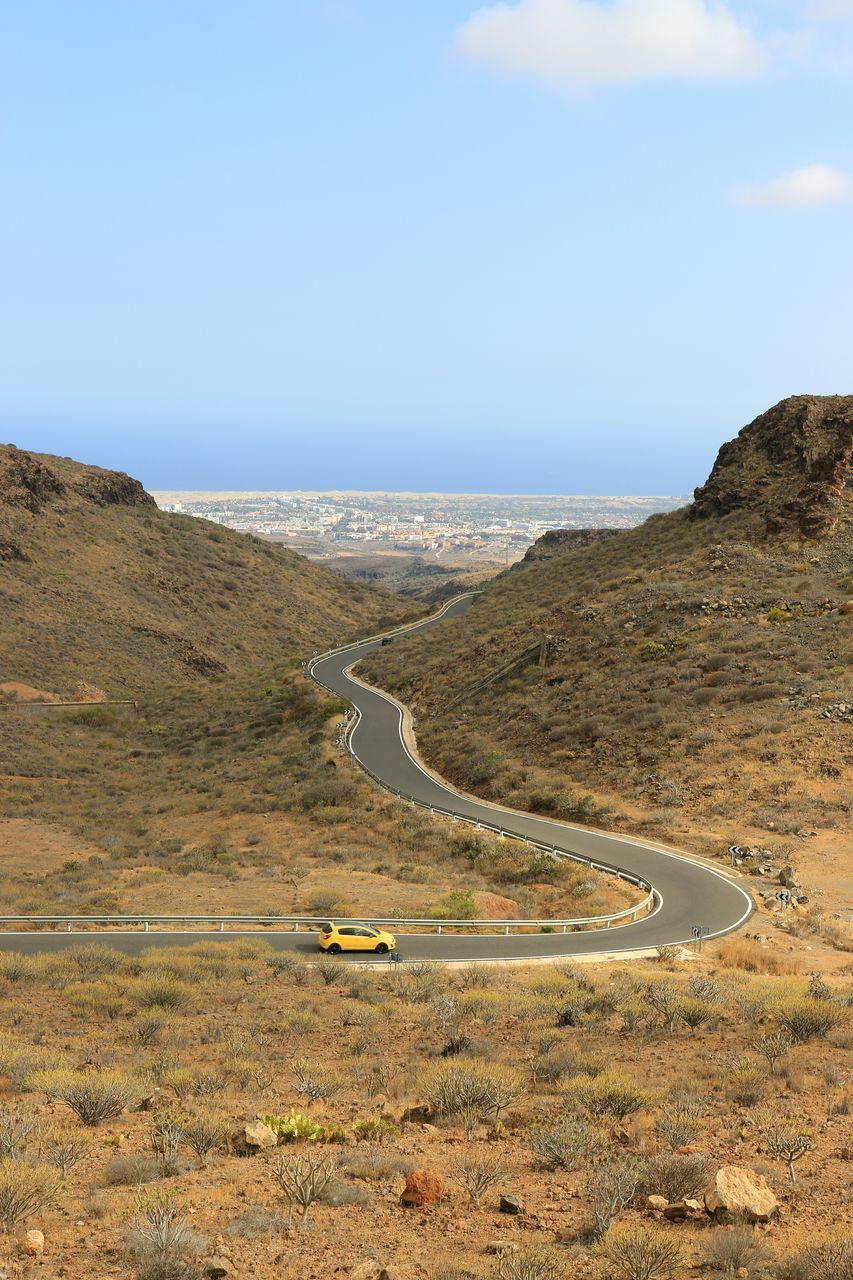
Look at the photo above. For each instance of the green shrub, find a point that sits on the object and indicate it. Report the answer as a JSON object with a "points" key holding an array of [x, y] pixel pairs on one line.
{"points": [[25, 1189], [92, 1096]]}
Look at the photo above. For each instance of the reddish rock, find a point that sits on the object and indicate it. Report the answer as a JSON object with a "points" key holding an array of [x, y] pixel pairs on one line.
{"points": [[423, 1187]]}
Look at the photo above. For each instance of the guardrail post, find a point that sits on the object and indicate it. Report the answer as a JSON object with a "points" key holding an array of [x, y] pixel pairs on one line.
{"points": [[633, 917], [145, 927], [564, 929], [69, 928], [501, 835], [221, 926], [296, 926], [607, 925], [438, 928], [506, 930]]}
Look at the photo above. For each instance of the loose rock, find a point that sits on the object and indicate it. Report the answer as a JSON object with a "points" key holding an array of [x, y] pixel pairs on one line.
{"points": [[34, 1244], [510, 1204], [737, 1192], [217, 1268], [423, 1186]]}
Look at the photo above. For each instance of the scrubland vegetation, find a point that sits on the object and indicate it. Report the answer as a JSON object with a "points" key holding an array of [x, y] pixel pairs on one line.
{"points": [[697, 688], [240, 801], [128, 1083]]}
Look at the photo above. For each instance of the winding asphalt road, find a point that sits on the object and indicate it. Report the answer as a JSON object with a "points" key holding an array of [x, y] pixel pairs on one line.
{"points": [[688, 893]]}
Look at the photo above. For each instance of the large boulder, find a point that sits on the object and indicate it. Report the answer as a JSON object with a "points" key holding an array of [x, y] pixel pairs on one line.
{"points": [[252, 1138], [423, 1187], [740, 1193]]}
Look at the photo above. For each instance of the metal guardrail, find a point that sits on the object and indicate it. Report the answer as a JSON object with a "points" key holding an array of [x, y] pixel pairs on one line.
{"points": [[297, 923]]}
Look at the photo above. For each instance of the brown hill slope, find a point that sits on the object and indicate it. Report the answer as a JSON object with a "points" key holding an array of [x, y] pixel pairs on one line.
{"points": [[698, 681], [98, 584]]}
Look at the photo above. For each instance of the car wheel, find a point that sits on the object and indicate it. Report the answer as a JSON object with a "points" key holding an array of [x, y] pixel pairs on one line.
{"points": [[381, 946], [334, 949]]}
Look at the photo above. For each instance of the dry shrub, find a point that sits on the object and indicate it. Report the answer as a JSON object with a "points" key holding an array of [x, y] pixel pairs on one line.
{"points": [[828, 1259], [471, 1089], [25, 1188], [730, 1251], [752, 957], [92, 1096], [806, 1018], [642, 1253], [611, 1095], [678, 1177]]}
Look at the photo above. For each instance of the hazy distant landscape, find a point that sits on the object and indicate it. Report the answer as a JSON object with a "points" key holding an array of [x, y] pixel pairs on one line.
{"points": [[460, 528]]}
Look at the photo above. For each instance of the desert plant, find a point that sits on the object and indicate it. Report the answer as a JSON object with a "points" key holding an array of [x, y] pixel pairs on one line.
{"points": [[25, 1188], [640, 1252], [477, 1176], [296, 1126], [530, 1262], [665, 999], [745, 1080], [566, 1143], [63, 1149], [92, 1096], [678, 1122], [314, 1083], [806, 1018], [788, 1144], [160, 992], [678, 1177], [472, 1089], [828, 1259], [181, 1080], [147, 1026], [131, 1170], [736, 1251], [611, 1187], [302, 1181], [609, 1095], [159, 1227], [166, 1136], [16, 1129], [374, 1129], [773, 1047], [333, 971], [204, 1131]]}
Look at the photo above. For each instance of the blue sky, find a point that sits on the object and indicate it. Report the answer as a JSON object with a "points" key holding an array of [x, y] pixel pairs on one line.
{"points": [[546, 246]]}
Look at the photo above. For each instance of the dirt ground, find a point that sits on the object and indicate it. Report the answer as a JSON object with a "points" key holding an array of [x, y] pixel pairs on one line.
{"points": [[229, 1048]]}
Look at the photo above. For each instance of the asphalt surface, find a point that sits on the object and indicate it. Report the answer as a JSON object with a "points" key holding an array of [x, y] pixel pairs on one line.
{"points": [[690, 893]]}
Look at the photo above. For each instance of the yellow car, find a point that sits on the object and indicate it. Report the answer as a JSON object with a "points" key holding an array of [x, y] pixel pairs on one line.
{"points": [[335, 938]]}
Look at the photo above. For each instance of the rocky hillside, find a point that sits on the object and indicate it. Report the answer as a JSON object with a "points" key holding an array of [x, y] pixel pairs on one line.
{"points": [[555, 542], [698, 674], [98, 585]]}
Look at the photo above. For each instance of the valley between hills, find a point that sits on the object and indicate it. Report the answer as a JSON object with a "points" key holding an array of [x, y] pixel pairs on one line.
{"points": [[231, 1111]]}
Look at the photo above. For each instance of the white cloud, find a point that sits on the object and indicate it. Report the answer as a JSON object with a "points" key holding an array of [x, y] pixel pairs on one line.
{"points": [[815, 184], [584, 41]]}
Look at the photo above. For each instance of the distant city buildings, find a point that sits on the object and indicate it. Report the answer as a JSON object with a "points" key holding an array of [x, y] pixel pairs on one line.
{"points": [[434, 525]]}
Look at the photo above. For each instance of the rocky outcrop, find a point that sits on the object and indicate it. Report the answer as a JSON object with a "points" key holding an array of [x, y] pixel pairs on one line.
{"points": [[25, 481], [556, 542], [28, 483], [792, 467], [111, 488]]}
